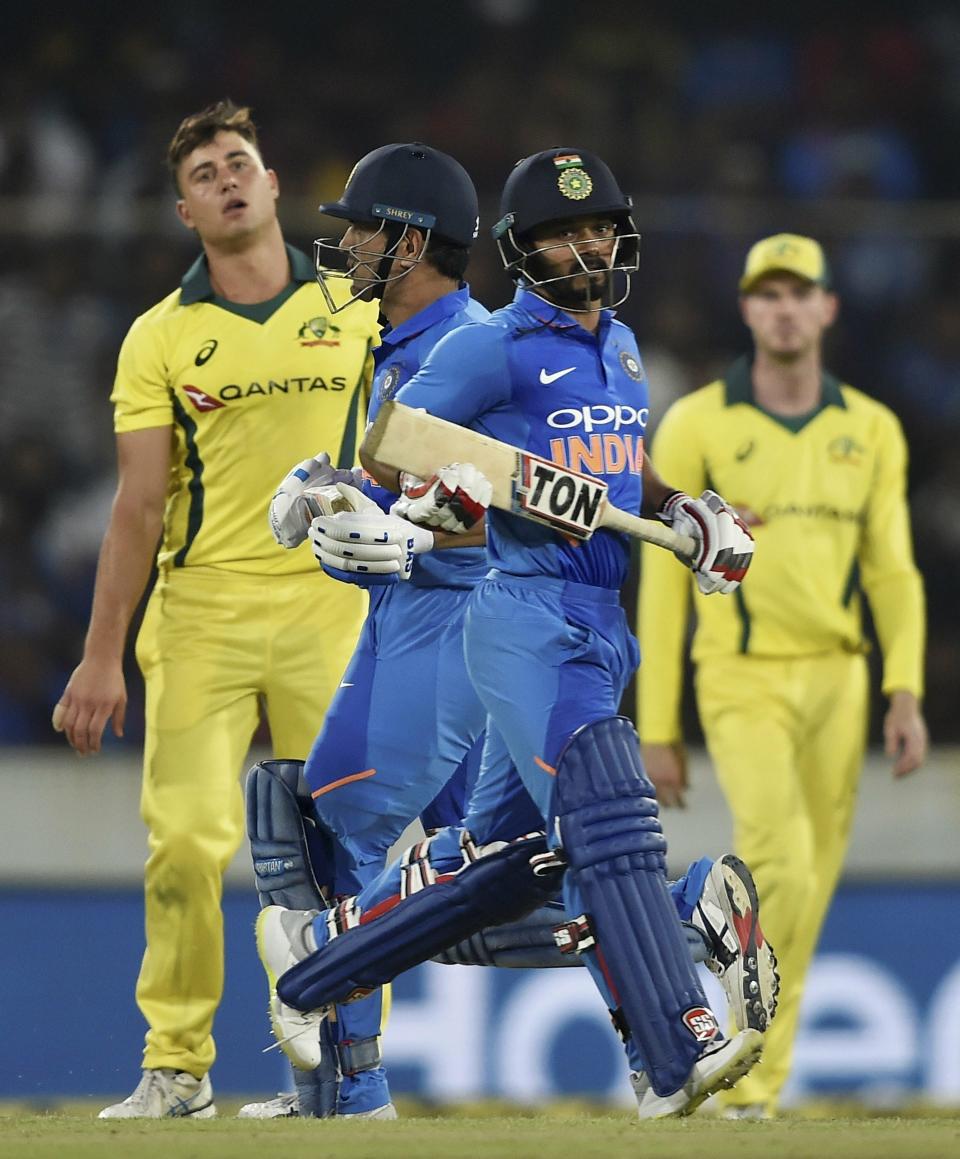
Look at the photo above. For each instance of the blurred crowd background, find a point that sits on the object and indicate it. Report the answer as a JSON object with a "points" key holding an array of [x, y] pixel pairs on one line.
{"points": [[725, 124]]}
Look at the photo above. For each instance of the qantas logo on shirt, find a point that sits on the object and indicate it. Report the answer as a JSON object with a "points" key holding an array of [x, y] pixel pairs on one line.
{"points": [[200, 399], [232, 391]]}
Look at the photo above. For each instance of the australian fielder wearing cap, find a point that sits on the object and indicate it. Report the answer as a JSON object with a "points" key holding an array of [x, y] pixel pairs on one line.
{"points": [[818, 471]]}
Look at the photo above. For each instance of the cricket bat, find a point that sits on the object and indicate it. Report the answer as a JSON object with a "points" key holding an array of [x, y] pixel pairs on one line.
{"points": [[526, 484]]}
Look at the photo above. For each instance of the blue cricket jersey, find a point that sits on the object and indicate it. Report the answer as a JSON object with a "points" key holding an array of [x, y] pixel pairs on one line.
{"points": [[530, 375], [398, 358]]}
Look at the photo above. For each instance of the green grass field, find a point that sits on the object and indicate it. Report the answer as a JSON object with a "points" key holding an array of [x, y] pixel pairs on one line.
{"points": [[478, 1133]]}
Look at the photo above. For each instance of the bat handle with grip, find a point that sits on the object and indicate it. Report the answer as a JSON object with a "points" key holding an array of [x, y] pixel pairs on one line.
{"points": [[649, 530]]}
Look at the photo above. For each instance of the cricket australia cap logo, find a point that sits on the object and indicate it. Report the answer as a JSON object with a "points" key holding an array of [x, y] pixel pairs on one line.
{"points": [[846, 450], [389, 383], [318, 332], [631, 366]]}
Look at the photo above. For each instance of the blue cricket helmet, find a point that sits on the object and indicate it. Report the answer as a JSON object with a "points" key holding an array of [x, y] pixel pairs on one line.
{"points": [[413, 185], [554, 185]]}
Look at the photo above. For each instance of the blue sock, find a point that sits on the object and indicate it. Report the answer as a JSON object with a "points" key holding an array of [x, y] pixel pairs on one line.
{"points": [[365, 1091]]}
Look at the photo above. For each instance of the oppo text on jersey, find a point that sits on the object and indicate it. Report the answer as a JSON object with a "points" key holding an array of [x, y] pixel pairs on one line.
{"points": [[592, 417]]}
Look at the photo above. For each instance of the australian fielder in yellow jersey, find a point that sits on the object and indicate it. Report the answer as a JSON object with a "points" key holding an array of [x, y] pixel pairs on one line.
{"points": [[818, 471], [219, 387], [233, 622]]}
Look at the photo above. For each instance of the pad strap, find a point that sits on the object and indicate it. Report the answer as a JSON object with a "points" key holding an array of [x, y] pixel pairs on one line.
{"points": [[359, 1055], [532, 944]]}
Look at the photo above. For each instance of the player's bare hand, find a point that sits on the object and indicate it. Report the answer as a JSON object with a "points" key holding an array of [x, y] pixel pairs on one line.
{"points": [[905, 733], [666, 766], [95, 694]]}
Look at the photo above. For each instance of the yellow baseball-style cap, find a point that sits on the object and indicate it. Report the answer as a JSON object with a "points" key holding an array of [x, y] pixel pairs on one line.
{"points": [[788, 253]]}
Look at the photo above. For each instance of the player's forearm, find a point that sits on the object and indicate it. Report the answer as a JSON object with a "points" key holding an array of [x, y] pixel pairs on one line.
{"points": [[655, 490], [899, 613], [475, 537], [123, 569]]}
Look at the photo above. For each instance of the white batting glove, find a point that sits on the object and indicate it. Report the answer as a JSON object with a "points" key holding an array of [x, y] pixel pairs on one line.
{"points": [[724, 543], [454, 499], [367, 547], [289, 515]]}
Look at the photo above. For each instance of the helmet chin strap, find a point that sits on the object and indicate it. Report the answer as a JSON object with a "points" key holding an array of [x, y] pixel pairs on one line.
{"points": [[393, 232]]}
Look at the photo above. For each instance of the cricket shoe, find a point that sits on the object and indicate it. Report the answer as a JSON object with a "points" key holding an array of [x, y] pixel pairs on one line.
{"points": [[282, 1107], [284, 938], [727, 914], [719, 1067], [165, 1093]]}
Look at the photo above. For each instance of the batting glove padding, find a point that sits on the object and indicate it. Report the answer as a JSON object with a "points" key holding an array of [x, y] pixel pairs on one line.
{"points": [[454, 499], [724, 543], [367, 547], [289, 513]]}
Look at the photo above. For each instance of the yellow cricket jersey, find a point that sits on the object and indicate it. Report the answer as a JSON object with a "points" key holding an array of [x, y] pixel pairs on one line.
{"points": [[248, 391], [825, 496]]}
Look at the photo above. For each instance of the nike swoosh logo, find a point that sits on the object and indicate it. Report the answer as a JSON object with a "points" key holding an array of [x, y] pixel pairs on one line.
{"points": [[344, 684], [546, 378]]}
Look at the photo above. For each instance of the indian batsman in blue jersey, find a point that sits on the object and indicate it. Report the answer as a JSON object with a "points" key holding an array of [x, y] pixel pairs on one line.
{"points": [[368, 777], [561, 793]]}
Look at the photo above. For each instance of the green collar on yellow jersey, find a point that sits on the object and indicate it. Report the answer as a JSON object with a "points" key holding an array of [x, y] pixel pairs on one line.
{"points": [[738, 382], [195, 287]]}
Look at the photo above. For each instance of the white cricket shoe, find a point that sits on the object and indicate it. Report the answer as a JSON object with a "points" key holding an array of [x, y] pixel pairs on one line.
{"points": [[728, 915], [285, 937], [288, 1107], [719, 1066], [164, 1093], [282, 1107]]}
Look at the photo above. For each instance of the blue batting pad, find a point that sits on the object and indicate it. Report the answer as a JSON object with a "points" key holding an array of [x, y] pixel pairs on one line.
{"points": [[497, 887], [611, 837], [292, 855], [293, 867]]}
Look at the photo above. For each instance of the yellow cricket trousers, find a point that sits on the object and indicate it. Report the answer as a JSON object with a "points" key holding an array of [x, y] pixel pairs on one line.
{"points": [[213, 647], [787, 738]]}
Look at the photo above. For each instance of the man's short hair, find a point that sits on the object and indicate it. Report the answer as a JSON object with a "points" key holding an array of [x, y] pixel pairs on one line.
{"points": [[201, 128], [447, 258]]}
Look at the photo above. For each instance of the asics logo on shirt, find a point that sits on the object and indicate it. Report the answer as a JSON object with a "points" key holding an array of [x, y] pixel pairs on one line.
{"points": [[546, 377]]}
